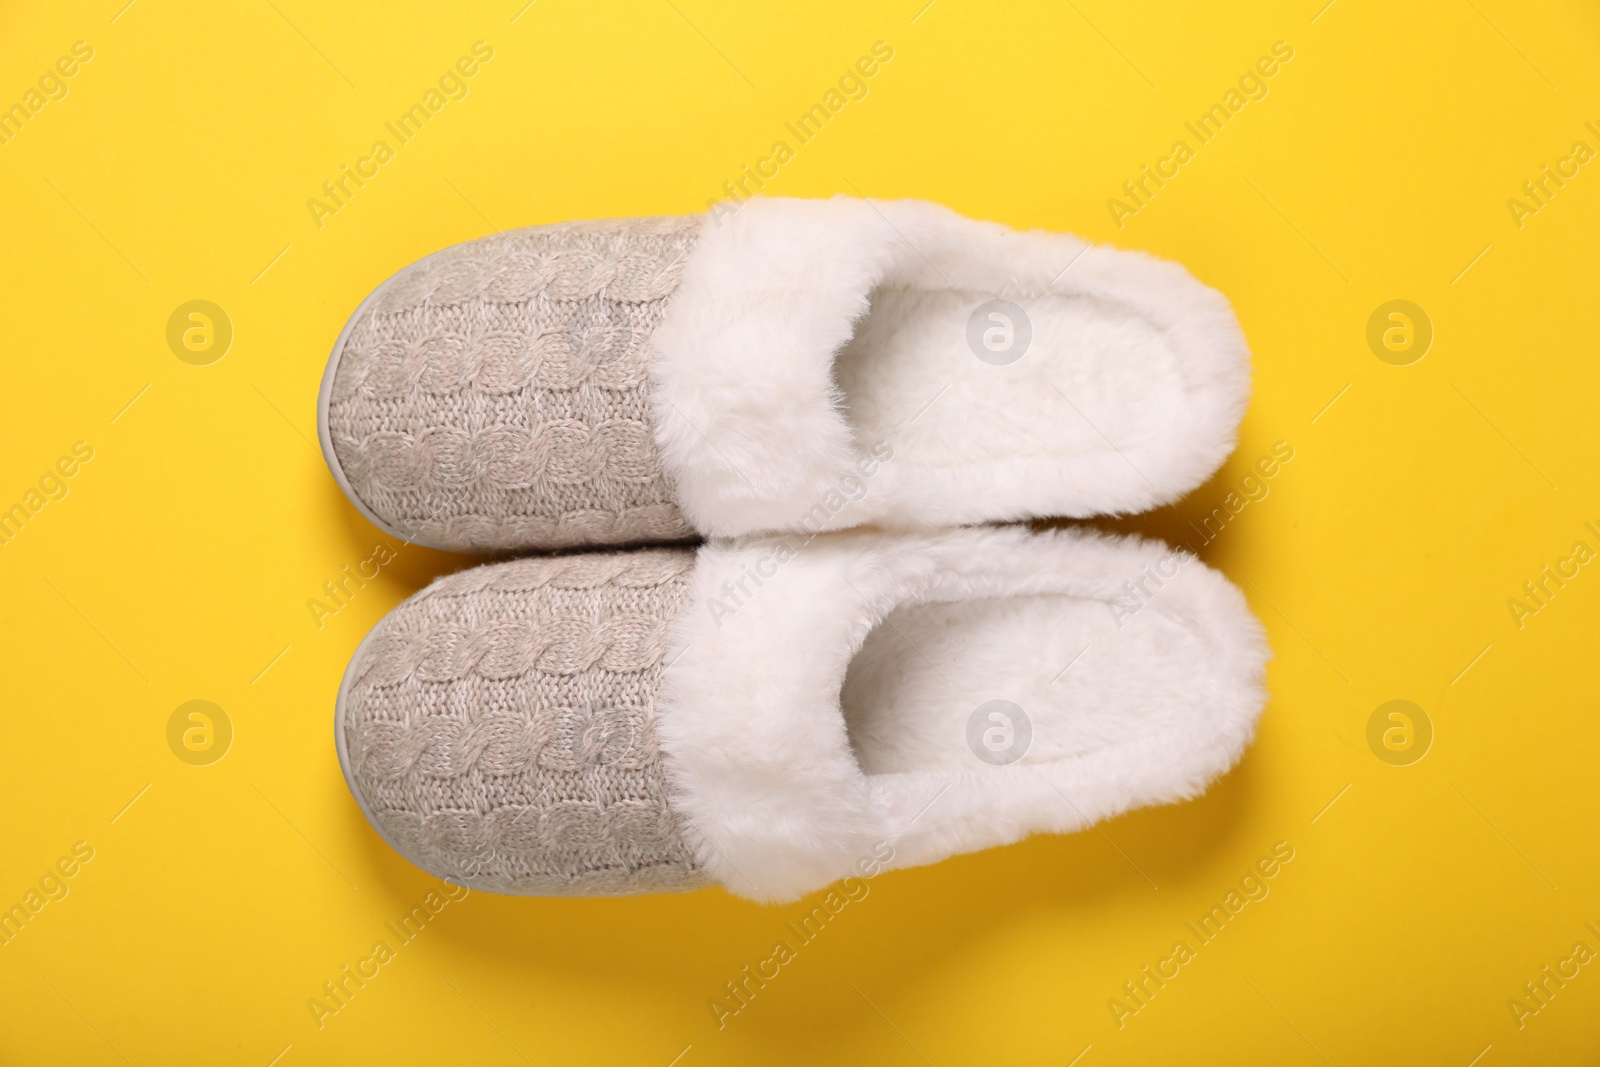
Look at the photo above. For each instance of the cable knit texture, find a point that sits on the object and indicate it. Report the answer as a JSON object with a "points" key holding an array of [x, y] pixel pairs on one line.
{"points": [[501, 726], [495, 395]]}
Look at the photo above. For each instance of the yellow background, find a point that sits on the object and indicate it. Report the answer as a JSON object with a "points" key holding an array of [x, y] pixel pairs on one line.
{"points": [[179, 565]]}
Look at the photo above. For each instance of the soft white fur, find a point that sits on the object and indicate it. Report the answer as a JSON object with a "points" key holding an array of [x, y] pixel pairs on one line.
{"points": [[785, 790], [805, 332]]}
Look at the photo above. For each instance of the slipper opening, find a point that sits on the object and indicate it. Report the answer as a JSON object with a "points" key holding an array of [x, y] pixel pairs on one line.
{"points": [[956, 377]]}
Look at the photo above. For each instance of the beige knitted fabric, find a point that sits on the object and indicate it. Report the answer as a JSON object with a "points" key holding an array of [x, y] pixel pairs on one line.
{"points": [[495, 395], [499, 727]]}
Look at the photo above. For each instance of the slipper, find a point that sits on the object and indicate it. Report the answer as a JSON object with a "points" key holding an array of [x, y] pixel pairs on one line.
{"points": [[776, 714], [790, 365]]}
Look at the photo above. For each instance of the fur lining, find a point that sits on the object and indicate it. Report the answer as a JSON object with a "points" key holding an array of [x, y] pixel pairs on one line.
{"points": [[806, 334], [768, 772]]}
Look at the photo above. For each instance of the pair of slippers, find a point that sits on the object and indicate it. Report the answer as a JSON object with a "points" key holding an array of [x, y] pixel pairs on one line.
{"points": [[850, 675]]}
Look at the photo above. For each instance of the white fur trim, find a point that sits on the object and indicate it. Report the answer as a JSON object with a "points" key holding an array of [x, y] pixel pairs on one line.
{"points": [[770, 778], [805, 332]]}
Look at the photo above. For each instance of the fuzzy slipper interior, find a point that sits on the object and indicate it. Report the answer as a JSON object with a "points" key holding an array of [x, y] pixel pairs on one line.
{"points": [[826, 363], [928, 695]]}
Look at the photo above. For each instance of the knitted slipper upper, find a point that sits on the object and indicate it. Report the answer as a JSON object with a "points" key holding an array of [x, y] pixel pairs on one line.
{"points": [[499, 728], [496, 395]]}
